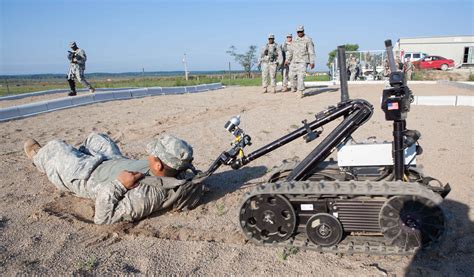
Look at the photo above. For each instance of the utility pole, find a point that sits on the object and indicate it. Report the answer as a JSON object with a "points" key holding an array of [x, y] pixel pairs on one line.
{"points": [[143, 77], [8, 88], [185, 67]]}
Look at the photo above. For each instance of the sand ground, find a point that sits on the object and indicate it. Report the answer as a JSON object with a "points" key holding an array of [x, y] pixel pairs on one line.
{"points": [[44, 231]]}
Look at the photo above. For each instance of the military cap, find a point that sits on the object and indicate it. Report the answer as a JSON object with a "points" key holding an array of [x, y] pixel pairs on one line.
{"points": [[72, 43], [300, 28], [289, 35], [271, 36], [174, 152]]}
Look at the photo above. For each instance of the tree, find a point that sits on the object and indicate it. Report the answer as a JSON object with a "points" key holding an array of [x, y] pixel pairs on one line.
{"points": [[246, 60], [333, 53]]}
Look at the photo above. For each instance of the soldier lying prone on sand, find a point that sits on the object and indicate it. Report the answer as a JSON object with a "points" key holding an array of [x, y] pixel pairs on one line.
{"points": [[124, 189]]}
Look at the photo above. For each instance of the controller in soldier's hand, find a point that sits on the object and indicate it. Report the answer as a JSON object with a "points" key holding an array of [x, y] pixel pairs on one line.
{"points": [[72, 56]]}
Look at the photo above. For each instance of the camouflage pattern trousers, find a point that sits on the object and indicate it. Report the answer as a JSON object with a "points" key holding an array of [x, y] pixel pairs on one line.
{"points": [[269, 70], [286, 74], [408, 75], [69, 168], [76, 72], [297, 74]]}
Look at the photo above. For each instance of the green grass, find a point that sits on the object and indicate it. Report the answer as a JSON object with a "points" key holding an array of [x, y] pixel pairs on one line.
{"points": [[18, 86], [88, 264], [471, 77]]}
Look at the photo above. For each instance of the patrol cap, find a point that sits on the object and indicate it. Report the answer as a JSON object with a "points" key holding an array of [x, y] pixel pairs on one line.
{"points": [[289, 35], [72, 43], [174, 152], [300, 28], [271, 36]]}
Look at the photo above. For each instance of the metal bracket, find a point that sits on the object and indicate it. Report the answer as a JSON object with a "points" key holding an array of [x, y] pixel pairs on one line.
{"points": [[310, 135]]}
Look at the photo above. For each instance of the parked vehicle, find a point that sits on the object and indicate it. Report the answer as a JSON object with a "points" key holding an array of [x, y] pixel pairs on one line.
{"points": [[414, 56], [434, 62]]}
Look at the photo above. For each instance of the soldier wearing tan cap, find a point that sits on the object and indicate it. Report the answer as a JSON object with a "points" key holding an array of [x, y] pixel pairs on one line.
{"points": [[301, 55], [270, 58], [124, 189]]}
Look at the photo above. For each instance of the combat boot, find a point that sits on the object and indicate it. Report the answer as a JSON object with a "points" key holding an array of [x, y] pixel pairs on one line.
{"points": [[300, 94], [264, 90], [31, 148], [293, 90], [72, 93], [285, 89], [92, 90], [274, 90]]}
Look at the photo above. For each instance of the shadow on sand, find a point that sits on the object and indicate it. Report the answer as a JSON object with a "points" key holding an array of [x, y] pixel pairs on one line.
{"points": [[454, 254], [314, 92], [228, 181]]}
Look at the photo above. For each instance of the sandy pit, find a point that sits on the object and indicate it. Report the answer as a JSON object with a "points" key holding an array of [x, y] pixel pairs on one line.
{"points": [[44, 231]]}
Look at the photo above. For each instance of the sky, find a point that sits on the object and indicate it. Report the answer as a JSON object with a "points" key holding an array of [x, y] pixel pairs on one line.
{"points": [[127, 35]]}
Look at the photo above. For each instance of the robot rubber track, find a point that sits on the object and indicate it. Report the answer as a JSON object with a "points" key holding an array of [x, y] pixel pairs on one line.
{"points": [[373, 243]]}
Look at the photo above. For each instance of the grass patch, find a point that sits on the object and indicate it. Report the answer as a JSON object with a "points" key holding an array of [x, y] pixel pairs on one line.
{"points": [[220, 209], [88, 264], [18, 85], [286, 252], [471, 78]]}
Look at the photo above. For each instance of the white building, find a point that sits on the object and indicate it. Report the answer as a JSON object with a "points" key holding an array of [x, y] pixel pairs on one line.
{"points": [[458, 48]]}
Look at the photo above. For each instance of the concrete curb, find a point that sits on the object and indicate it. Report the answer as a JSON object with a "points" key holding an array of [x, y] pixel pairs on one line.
{"points": [[55, 91], [31, 109]]}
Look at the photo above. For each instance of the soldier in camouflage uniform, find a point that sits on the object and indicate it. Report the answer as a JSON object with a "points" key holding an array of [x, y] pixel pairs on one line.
{"points": [[124, 189], [300, 55], [77, 64], [408, 69], [285, 48], [353, 68], [270, 58]]}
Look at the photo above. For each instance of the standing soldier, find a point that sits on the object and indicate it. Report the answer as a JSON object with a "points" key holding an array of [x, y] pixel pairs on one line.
{"points": [[77, 58], [286, 68], [408, 69], [300, 55], [353, 68], [270, 58]]}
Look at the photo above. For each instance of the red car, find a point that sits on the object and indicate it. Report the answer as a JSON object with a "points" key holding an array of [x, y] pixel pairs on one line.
{"points": [[434, 62]]}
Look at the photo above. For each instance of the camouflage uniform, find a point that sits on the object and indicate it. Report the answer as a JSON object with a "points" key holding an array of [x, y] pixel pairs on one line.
{"points": [[408, 69], [285, 49], [353, 68], [77, 65], [270, 57], [91, 172], [300, 55]]}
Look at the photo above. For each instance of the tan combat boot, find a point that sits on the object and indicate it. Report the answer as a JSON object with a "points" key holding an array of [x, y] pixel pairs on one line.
{"points": [[265, 90], [300, 94], [31, 148], [285, 89], [92, 90], [274, 90]]}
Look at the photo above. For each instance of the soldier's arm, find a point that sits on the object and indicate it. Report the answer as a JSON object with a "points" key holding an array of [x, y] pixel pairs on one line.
{"points": [[290, 55], [311, 51], [280, 56], [114, 203], [81, 56], [108, 206]]}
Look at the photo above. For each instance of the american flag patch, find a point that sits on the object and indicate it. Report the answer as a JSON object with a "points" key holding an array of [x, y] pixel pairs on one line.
{"points": [[392, 106]]}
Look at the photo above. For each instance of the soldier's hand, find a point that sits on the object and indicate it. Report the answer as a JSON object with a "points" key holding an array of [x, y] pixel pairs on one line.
{"points": [[286, 62], [311, 65], [129, 179]]}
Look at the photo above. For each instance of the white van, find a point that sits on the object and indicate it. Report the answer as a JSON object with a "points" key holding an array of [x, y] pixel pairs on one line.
{"points": [[414, 56]]}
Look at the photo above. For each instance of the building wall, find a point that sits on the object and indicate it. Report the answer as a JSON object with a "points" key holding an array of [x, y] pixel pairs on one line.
{"points": [[449, 47]]}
